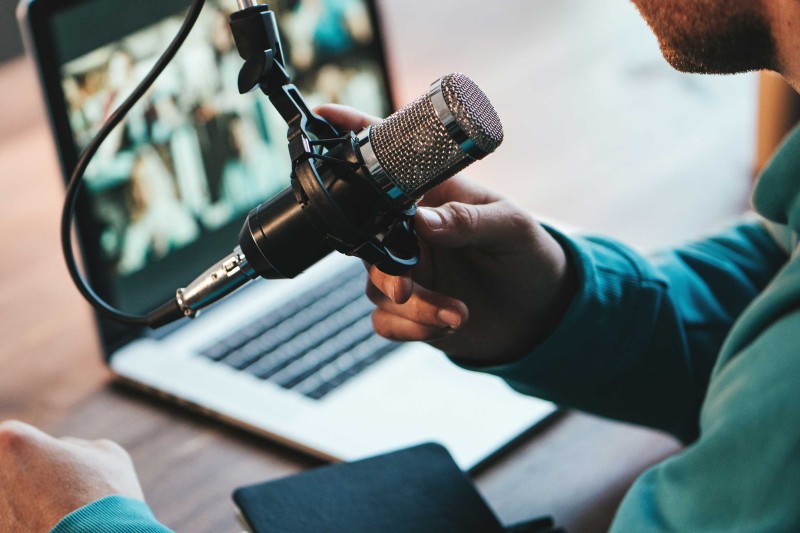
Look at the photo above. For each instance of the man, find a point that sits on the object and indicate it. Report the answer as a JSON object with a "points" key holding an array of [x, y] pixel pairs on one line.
{"points": [[700, 341]]}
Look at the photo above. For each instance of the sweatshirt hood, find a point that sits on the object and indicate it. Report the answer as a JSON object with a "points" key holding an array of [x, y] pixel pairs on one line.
{"points": [[777, 194]]}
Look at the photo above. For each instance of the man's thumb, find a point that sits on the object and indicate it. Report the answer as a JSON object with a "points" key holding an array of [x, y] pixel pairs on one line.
{"points": [[456, 224]]}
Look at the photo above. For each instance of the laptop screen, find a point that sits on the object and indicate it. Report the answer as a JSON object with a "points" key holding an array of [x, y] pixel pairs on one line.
{"points": [[170, 188]]}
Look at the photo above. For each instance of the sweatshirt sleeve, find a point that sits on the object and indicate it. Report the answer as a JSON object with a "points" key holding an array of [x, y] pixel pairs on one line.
{"points": [[114, 514], [641, 336], [742, 474]]}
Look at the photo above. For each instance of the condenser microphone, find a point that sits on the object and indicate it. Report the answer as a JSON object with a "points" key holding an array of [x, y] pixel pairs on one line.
{"points": [[359, 196], [431, 139]]}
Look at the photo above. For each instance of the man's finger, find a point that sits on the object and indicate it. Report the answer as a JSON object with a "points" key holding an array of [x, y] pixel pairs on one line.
{"points": [[424, 307], [396, 288], [345, 118], [401, 329], [497, 226]]}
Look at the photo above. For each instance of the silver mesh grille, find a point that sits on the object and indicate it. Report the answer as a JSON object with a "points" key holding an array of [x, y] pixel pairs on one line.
{"points": [[416, 150], [473, 111]]}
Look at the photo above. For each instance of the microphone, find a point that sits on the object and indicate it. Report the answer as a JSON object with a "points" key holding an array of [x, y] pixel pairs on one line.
{"points": [[358, 197], [431, 139]]}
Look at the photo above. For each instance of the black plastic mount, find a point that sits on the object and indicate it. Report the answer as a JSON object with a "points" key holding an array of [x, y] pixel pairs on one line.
{"points": [[344, 217]]}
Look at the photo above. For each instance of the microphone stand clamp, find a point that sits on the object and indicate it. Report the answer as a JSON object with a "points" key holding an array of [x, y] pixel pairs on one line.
{"points": [[388, 239]]}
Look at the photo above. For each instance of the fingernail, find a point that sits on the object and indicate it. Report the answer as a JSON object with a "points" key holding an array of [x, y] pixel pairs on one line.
{"points": [[432, 218], [450, 318]]}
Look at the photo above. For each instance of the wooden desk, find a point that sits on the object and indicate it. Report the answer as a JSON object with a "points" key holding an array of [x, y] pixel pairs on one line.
{"points": [[584, 164]]}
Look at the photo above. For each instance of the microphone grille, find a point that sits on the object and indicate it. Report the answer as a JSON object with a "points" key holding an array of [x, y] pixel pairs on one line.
{"points": [[473, 111], [437, 135]]}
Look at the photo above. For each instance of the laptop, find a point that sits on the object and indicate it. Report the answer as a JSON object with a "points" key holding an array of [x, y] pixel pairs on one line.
{"points": [[294, 360]]}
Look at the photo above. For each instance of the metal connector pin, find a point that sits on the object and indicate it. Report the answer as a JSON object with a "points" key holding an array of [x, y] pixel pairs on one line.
{"points": [[245, 4], [218, 281]]}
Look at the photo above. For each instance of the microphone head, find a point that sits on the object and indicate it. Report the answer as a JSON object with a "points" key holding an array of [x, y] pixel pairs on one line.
{"points": [[436, 136]]}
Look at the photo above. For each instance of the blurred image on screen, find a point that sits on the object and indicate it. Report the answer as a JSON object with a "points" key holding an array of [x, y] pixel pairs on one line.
{"points": [[194, 155]]}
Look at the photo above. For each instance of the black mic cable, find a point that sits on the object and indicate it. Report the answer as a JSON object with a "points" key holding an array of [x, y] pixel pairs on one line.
{"points": [[74, 187]]}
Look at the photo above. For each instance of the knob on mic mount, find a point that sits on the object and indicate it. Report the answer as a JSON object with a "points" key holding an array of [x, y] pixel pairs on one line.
{"points": [[387, 240]]}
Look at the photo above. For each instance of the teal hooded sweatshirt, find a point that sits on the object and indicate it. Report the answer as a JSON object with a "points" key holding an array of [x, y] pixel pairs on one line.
{"points": [[702, 342]]}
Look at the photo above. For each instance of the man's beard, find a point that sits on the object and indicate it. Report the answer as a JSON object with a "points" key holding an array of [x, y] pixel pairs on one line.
{"points": [[711, 36]]}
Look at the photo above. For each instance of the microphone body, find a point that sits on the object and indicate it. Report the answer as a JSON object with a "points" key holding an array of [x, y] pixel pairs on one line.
{"points": [[358, 197], [321, 211]]}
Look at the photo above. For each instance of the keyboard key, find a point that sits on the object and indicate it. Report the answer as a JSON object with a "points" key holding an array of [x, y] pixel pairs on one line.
{"points": [[252, 330], [314, 344], [302, 344], [264, 344], [345, 367], [323, 354]]}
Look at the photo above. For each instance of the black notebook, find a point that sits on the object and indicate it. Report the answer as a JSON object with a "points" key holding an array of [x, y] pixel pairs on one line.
{"points": [[420, 489]]}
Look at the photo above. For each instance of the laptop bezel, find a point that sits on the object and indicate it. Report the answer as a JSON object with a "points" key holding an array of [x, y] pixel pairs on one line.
{"points": [[35, 18]]}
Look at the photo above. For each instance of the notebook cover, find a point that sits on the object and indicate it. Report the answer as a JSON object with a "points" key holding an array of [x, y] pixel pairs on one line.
{"points": [[419, 489]]}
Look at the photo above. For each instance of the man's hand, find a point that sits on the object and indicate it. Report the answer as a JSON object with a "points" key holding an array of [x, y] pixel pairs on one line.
{"points": [[43, 479], [491, 283]]}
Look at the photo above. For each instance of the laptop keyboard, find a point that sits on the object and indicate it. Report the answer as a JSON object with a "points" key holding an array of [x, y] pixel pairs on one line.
{"points": [[312, 345]]}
